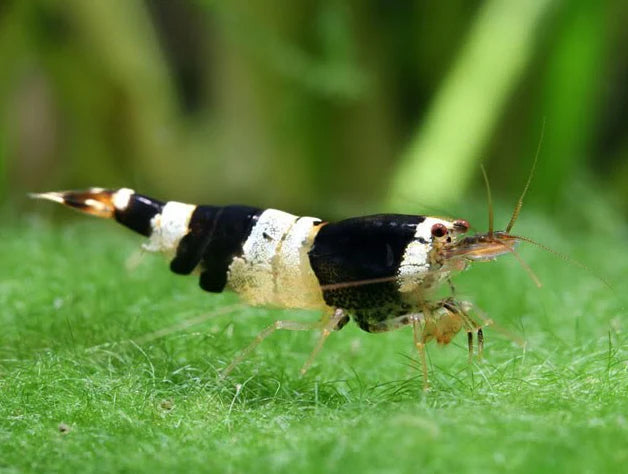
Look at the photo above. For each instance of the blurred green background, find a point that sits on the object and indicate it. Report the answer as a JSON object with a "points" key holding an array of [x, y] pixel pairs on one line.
{"points": [[328, 107]]}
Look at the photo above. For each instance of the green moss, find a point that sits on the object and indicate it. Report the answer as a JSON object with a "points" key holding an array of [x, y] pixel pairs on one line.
{"points": [[109, 365]]}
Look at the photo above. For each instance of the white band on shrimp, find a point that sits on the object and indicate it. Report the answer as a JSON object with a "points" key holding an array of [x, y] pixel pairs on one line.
{"points": [[169, 227]]}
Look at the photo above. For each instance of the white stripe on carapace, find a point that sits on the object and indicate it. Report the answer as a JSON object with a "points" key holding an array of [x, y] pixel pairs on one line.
{"points": [[296, 285], [416, 258], [274, 267], [169, 227], [252, 274]]}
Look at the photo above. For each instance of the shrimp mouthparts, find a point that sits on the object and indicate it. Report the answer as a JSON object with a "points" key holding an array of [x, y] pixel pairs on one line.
{"points": [[483, 247]]}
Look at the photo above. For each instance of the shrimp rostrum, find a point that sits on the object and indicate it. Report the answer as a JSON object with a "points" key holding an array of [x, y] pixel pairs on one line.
{"points": [[382, 270]]}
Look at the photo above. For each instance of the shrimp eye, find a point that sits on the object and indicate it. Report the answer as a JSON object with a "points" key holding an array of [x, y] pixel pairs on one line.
{"points": [[461, 225], [439, 230]]}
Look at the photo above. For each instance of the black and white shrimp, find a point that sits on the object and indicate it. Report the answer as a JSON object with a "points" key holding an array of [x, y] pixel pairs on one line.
{"points": [[382, 270]]}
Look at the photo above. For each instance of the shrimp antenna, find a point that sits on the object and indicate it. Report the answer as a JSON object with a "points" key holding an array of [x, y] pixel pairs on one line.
{"points": [[523, 263], [527, 268], [515, 213], [567, 259], [490, 202]]}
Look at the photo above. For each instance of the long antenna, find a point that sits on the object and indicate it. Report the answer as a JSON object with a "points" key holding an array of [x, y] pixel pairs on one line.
{"points": [[490, 202], [569, 260], [515, 213], [527, 268]]}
